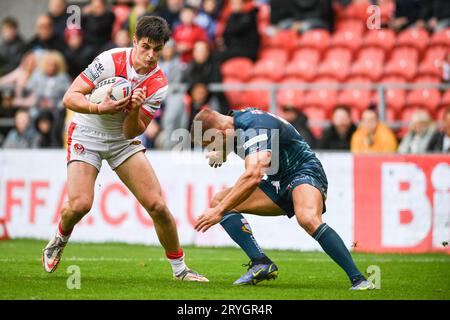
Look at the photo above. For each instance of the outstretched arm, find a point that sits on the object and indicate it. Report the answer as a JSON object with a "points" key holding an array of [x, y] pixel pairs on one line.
{"points": [[255, 166]]}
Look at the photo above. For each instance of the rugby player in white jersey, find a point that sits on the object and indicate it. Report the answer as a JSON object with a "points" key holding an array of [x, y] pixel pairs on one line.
{"points": [[108, 130]]}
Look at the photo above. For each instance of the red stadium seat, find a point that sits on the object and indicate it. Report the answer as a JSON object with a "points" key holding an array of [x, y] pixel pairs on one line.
{"points": [[315, 114], [336, 64], [358, 98], [284, 39], [353, 25], [395, 98], [383, 38], [441, 38], [234, 97], [403, 63], [322, 98], [391, 115], [349, 39], [289, 97], [369, 63], [257, 98], [424, 98], [275, 54], [427, 79], [270, 68], [239, 68], [317, 39], [413, 37], [303, 64], [433, 61]]}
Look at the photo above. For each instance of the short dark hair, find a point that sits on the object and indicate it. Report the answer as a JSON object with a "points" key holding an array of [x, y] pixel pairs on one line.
{"points": [[11, 22], [154, 28]]}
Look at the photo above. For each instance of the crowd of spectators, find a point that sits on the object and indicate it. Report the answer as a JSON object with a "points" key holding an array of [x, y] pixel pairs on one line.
{"points": [[35, 73]]}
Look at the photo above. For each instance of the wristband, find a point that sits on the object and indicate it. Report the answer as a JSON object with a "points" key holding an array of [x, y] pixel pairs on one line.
{"points": [[94, 108]]}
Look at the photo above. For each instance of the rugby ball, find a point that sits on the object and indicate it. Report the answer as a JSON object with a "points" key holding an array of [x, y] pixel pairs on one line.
{"points": [[120, 88]]}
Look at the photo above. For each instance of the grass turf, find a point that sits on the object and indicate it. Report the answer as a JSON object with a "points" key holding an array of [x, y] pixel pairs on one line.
{"points": [[122, 271]]}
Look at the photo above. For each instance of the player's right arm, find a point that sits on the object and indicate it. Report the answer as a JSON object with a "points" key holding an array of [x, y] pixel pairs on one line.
{"points": [[75, 98]]}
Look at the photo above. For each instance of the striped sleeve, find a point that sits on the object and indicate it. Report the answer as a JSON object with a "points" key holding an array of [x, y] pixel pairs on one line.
{"points": [[153, 102]]}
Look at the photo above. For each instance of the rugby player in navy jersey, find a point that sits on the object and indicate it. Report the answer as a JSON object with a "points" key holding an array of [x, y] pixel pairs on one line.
{"points": [[282, 176]]}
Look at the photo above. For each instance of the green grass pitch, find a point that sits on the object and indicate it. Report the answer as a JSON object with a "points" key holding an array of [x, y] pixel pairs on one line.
{"points": [[122, 271]]}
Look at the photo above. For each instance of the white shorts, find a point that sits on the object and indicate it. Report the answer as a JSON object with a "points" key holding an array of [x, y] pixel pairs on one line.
{"points": [[88, 145]]}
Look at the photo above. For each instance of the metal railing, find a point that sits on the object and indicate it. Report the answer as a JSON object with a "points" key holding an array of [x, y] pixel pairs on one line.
{"points": [[273, 88]]}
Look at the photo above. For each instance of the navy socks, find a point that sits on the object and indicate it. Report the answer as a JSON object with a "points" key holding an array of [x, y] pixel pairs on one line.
{"points": [[333, 245], [239, 230]]}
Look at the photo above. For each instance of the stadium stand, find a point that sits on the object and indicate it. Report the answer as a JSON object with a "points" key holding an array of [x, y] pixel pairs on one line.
{"points": [[406, 63]]}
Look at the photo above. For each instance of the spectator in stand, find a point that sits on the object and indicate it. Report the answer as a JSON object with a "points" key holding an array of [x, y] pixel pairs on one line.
{"points": [[421, 131], [48, 87], [22, 136], [199, 98], [120, 40], [77, 55], [11, 48], [45, 39], [446, 69], [174, 104], [339, 134], [372, 135], [240, 37], [57, 11], [187, 33], [170, 10], [171, 64], [45, 131], [141, 8], [441, 140], [121, 10], [407, 13], [17, 80], [300, 122], [435, 15], [207, 18], [97, 22], [203, 69], [302, 15]]}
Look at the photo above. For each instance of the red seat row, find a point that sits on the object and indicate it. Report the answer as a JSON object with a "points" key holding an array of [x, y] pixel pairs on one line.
{"points": [[370, 62]]}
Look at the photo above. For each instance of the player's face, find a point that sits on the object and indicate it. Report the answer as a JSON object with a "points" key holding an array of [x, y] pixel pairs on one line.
{"points": [[147, 52]]}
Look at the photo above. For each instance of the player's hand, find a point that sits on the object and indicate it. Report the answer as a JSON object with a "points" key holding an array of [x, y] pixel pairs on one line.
{"points": [[209, 218], [109, 106], [138, 97], [216, 158]]}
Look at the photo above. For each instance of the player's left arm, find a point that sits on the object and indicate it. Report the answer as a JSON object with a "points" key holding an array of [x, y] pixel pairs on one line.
{"points": [[255, 167], [142, 111]]}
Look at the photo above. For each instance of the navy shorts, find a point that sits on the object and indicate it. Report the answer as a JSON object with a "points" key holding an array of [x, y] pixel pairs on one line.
{"points": [[281, 191]]}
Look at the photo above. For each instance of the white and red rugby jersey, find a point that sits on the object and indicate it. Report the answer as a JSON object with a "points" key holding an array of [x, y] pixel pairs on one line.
{"points": [[118, 63]]}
